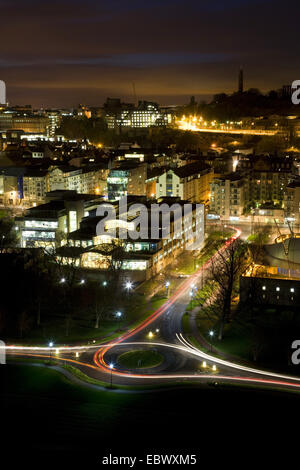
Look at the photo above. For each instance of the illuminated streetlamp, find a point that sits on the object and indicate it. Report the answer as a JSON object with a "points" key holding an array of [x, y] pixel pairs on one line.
{"points": [[119, 316], [50, 346], [128, 286], [167, 288], [111, 366], [211, 334]]}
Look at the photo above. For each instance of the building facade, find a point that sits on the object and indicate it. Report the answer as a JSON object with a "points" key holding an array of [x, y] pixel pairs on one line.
{"points": [[227, 196]]}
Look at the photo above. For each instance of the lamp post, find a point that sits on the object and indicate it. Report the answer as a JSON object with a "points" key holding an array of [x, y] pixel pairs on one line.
{"points": [[50, 346], [211, 334], [128, 286], [192, 297], [119, 316], [167, 288], [111, 366]]}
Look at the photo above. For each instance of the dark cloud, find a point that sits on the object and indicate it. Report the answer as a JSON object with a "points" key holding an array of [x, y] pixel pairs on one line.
{"points": [[64, 52]]}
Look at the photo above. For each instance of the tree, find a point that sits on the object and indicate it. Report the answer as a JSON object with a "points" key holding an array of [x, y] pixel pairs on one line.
{"points": [[225, 270], [8, 237]]}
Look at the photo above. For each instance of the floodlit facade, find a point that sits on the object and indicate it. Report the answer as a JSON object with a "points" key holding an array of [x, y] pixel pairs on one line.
{"points": [[48, 225], [146, 114], [227, 196], [145, 257], [189, 182]]}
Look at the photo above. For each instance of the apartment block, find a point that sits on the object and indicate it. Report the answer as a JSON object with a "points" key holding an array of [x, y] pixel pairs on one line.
{"points": [[227, 196], [189, 182]]}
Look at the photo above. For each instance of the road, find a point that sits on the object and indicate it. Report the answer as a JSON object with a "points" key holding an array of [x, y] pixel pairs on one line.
{"points": [[182, 361]]}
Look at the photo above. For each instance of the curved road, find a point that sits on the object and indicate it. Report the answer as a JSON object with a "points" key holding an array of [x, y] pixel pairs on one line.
{"points": [[182, 361]]}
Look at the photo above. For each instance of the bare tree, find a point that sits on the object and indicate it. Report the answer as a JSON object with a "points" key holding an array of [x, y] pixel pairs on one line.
{"points": [[225, 271], [8, 237]]}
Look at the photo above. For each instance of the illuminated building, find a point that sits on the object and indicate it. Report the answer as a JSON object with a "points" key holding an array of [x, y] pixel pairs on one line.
{"points": [[49, 223], [189, 182], [34, 188], [54, 120], [227, 196], [292, 202], [128, 178], [86, 180], [267, 177], [144, 257], [266, 285], [146, 114], [35, 124], [9, 189]]}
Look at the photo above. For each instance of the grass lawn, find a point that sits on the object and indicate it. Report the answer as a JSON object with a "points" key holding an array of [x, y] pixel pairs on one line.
{"points": [[49, 420], [136, 309], [140, 359]]}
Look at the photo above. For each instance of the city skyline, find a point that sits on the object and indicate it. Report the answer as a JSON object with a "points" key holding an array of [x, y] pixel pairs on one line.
{"points": [[65, 53]]}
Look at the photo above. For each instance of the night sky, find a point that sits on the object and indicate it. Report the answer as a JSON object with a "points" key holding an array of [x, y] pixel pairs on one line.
{"points": [[61, 53]]}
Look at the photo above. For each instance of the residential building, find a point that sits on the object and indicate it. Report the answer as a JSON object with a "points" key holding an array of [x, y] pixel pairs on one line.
{"points": [[227, 196], [292, 202], [34, 187], [189, 182], [85, 180], [10, 194], [128, 179], [266, 178]]}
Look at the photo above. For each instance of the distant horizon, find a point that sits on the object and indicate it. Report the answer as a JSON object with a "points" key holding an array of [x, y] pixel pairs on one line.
{"points": [[61, 53], [14, 98]]}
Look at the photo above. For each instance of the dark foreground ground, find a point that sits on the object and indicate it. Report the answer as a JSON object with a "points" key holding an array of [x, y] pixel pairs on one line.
{"points": [[46, 421]]}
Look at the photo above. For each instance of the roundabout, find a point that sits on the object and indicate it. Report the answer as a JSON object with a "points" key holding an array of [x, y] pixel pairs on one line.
{"points": [[140, 359]]}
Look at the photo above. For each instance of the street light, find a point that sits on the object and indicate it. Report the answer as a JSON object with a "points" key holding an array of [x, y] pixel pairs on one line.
{"points": [[63, 279], [50, 346], [119, 316], [150, 335], [192, 297], [104, 283], [111, 366], [82, 281], [128, 286], [211, 334], [167, 288]]}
